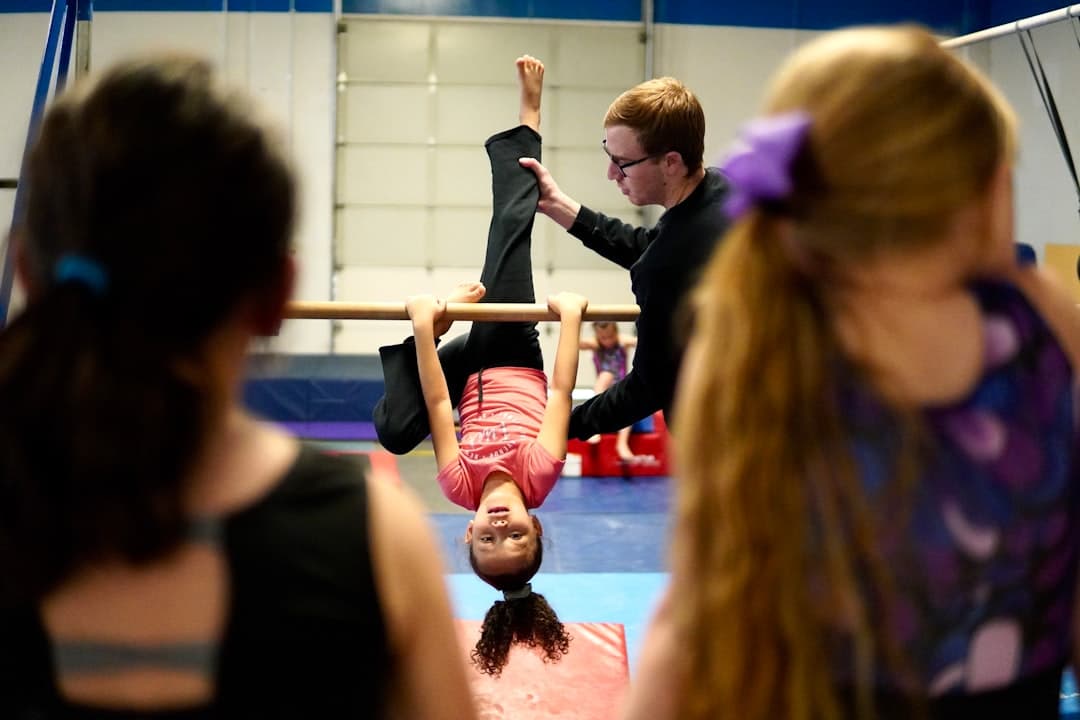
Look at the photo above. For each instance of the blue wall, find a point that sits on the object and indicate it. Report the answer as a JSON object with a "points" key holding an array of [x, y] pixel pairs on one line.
{"points": [[952, 17], [179, 5], [1003, 11], [812, 14]]}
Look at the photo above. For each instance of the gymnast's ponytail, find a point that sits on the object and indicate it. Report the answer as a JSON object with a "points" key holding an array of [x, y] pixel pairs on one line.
{"points": [[158, 209]]}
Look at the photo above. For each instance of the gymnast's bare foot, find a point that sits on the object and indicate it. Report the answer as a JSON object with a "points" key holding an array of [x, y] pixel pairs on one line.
{"points": [[531, 80], [626, 455], [468, 292]]}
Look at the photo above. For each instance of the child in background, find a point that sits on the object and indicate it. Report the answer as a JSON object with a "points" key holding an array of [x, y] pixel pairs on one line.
{"points": [[513, 431], [610, 360]]}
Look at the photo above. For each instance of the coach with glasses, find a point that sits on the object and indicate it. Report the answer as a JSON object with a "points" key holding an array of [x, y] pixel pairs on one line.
{"points": [[654, 138]]}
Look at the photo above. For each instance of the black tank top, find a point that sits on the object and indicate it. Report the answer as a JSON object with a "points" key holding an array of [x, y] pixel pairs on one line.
{"points": [[305, 636]]}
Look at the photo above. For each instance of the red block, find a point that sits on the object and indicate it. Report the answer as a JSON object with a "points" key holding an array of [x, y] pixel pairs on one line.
{"points": [[601, 460], [587, 684]]}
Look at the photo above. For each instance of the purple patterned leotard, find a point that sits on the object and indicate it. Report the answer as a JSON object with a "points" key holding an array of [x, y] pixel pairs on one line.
{"points": [[985, 565], [612, 360]]}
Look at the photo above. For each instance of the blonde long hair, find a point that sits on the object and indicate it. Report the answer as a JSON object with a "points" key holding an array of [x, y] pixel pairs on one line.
{"points": [[772, 523]]}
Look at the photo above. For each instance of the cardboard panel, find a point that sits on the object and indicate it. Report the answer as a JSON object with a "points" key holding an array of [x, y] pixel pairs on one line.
{"points": [[1061, 260]]}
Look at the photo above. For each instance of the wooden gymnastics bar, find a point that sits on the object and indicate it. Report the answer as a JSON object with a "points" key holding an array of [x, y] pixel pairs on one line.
{"points": [[489, 312]]}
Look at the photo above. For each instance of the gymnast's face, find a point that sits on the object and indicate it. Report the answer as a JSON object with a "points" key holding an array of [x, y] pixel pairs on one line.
{"points": [[503, 535], [637, 174], [607, 336]]}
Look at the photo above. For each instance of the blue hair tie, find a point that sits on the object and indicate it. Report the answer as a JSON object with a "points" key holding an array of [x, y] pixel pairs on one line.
{"points": [[81, 269]]}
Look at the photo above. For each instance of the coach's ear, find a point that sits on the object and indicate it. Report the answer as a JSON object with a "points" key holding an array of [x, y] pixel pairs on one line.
{"points": [[269, 314], [21, 264]]}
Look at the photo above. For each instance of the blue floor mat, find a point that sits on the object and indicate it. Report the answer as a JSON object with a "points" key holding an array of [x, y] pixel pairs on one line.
{"points": [[1070, 701], [609, 495]]}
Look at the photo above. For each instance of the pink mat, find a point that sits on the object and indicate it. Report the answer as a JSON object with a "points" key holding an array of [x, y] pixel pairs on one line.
{"points": [[588, 684]]}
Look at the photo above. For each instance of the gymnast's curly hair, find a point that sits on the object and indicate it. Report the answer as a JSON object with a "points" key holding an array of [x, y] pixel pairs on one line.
{"points": [[528, 621]]}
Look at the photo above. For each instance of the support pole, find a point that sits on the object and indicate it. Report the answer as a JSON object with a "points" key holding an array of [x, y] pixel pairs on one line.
{"points": [[41, 95], [1014, 27], [82, 38]]}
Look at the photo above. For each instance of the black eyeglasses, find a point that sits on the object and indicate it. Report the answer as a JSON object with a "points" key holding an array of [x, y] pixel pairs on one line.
{"points": [[622, 166]]}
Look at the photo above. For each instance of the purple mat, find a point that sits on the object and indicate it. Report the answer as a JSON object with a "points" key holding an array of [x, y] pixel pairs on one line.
{"points": [[331, 430]]}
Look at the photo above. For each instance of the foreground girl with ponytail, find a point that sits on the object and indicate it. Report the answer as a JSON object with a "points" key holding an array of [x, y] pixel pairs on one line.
{"points": [[162, 552], [877, 511]]}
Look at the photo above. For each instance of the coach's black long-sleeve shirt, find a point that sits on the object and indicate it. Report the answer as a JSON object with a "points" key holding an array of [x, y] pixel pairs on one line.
{"points": [[664, 262]]}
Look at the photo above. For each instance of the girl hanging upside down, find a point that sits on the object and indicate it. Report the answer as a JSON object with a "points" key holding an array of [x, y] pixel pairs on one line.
{"points": [[513, 430]]}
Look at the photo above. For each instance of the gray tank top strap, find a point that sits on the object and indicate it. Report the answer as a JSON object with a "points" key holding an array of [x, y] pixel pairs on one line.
{"points": [[80, 657], [103, 657], [206, 530]]}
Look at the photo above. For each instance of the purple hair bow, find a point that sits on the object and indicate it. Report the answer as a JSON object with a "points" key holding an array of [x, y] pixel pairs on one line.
{"points": [[759, 167]]}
